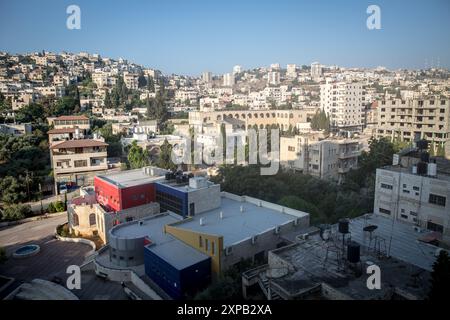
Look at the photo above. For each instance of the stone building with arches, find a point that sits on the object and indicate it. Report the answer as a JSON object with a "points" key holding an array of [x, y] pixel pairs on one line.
{"points": [[261, 119]]}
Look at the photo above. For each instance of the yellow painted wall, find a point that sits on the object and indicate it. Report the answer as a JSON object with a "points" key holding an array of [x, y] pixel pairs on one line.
{"points": [[192, 239]]}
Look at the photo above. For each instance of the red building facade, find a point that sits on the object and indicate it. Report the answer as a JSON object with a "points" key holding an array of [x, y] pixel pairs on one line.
{"points": [[115, 197]]}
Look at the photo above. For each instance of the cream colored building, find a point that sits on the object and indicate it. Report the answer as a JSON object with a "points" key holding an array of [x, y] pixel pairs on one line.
{"points": [[414, 119], [324, 158], [251, 118], [78, 160]]}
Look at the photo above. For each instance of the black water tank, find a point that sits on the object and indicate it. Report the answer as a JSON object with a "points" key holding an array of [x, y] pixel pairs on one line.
{"points": [[179, 179], [185, 178], [343, 226], [353, 252], [422, 168], [425, 157]]}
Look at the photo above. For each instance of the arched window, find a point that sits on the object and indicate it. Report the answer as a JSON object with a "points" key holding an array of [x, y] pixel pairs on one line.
{"points": [[75, 220], [92, 219]]}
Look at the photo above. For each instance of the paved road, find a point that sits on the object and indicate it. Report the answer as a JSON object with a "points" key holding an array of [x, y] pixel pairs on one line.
{"points": [[14, 236]]}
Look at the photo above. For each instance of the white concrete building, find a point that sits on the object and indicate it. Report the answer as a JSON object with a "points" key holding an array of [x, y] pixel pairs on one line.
{"points": [[228, 79], [344, 103], [207, 77], [417, 193], [326, 159], [291, 71], [237, 69], [273, 78], [316, 71]]}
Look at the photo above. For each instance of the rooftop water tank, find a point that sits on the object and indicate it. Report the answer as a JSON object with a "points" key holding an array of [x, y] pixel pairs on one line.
{"points": [[343, 226], [353, 252], [432, 169]]}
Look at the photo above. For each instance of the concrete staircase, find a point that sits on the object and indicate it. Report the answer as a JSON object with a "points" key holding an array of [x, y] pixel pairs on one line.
{"points": [[264, 283]]}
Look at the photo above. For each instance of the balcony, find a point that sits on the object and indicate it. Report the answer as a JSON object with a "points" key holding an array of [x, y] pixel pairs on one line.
{"points": [[346, 155]]}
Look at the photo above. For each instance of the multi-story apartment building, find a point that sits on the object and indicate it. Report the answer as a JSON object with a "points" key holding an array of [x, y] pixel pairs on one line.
{"points": [[207, 77], [228, 79], [344, 103], [131, 80], [415, 192], [78, 161], [316, 70], [103, 79], [291, 71], [64, 122], [414, 119], [273, 78], [326, 159]]}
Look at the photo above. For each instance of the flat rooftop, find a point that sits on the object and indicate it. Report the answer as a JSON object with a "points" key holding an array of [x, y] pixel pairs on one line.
{"points": [[441, 175], [183, 186], [178, 254], [237, 226], [164, 245], [315, 262], [129, 178], [152, 227], [404, 244]]}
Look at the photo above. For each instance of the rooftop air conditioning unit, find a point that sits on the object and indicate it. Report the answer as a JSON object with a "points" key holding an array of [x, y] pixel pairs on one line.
{"points": [[254, 239], [296, 221], [277, 230], [417, 229], [141, 223]]}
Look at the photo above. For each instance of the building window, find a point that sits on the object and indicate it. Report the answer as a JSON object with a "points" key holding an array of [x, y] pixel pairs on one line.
{"points": [[414, 214], [206, 245], [75, 220], [213, 249], [404, 216], [416, 188], [385, 211], [200, 241], [386, 186], [92, 220], [405, 191], [129, 219], [437, 200], [80, 163], [435, 227]]}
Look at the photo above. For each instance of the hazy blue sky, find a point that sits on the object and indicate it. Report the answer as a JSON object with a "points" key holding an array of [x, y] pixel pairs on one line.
{"points": [[190, 36]]}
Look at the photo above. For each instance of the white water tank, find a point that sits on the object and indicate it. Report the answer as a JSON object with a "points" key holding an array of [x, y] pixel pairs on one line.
{"points": [[414, 169], [432, 169], [395, 160], [202, 221]]}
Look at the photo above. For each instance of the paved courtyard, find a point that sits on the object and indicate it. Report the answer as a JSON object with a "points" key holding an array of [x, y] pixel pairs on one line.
{"points": [[52, 261]]}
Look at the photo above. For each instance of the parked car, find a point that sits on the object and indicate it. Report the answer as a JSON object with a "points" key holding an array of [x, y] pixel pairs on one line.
{"points": [[62, 189]]}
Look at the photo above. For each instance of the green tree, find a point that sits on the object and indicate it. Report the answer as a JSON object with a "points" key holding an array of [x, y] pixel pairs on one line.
{"points": [[16, 212], [108, 102], [320, 121], [440, 277], [150, 84], [12, 191], [142, 80], [137, 157], [165, 156]]}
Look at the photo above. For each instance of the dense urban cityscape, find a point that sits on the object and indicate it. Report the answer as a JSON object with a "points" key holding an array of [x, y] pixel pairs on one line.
{"points": [[279, 182]]}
